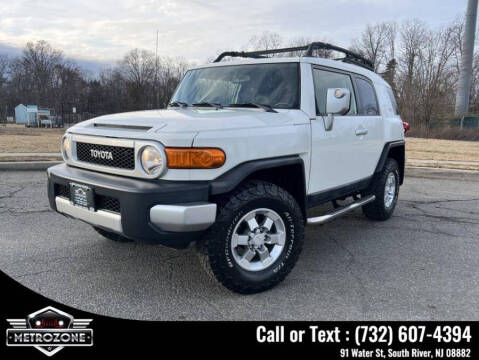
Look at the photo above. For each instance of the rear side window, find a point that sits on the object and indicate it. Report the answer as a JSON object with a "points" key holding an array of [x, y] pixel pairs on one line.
{"points": [[393, 101], [367, 98], [323, 80]]}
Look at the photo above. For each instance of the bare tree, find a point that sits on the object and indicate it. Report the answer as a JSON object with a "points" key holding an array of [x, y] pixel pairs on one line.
{"points": [[4, 63], [110, 95], [68, 86], [32, 76], [266, 41], [138, 68], [170, 74], [434, 75], [377, 43], [37, 66], [412, 37], [457, 27], [426, 74]]}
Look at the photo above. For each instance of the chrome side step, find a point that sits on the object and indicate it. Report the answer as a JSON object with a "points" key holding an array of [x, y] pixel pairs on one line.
{"points": [[341, 211]]}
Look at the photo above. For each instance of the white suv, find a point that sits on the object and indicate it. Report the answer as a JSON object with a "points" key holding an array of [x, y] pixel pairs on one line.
{"points": [[243, 151]]}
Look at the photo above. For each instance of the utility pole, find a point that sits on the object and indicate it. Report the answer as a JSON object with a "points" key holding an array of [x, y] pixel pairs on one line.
{"points": [[157, 88], [465, 75]]}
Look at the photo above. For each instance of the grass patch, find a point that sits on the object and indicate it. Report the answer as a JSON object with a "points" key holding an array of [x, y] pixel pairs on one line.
{"points": [[18, 138], [435, 149]]}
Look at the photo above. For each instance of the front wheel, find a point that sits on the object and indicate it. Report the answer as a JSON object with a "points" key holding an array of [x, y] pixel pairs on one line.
{"points": [[256, 239]]}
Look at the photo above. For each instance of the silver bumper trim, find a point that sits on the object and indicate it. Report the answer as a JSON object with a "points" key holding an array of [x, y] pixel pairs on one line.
{"points": [[100, 218], [182, 218]]}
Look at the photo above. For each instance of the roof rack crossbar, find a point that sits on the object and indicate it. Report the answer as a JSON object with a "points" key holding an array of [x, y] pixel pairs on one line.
{"points": [[350, 57], [238, 54]]}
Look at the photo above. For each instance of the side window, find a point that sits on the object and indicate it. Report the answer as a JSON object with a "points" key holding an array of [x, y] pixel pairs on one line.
{"points": [[367, 98], [323, 80], [393, 101]]}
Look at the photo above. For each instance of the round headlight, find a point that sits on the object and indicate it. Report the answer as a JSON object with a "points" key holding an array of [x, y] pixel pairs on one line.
{"points": [[66, 147], [151, 160]]}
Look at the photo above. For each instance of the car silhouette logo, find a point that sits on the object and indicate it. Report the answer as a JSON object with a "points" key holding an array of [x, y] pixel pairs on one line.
{"points": [[80, 192]]}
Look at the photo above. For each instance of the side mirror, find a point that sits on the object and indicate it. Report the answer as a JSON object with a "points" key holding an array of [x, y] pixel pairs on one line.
{"points": [[338, 101]]}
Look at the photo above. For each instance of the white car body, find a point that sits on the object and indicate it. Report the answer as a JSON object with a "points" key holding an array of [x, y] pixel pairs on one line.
{"points": [[238, 177], [331, 158]]}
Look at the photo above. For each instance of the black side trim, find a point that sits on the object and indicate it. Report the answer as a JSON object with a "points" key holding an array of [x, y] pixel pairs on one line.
{"points": [[232, 178], [325, 196], [384, 155]]}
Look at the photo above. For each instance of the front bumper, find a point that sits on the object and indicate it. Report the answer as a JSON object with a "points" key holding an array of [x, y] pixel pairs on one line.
{"points": [[170, 213]]}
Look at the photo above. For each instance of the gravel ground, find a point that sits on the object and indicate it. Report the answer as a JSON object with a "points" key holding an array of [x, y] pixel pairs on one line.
{"points": [[420, 265]]}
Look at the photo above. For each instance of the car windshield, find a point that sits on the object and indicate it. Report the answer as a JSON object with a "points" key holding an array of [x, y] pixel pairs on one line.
{"points": [[275, 85]]}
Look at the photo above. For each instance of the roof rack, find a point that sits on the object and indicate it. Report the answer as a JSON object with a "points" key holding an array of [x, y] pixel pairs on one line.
{"points": [[350, 57]]}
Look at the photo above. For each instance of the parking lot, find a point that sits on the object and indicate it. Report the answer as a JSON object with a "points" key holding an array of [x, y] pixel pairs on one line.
{"points": [[420, 265]]}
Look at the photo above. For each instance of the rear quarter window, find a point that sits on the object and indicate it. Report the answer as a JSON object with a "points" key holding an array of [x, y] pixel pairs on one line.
{"points": [[392, 99], [368, 104]]}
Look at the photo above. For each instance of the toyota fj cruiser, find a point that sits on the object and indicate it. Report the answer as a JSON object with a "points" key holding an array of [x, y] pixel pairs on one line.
{"points": [[243, 150]]}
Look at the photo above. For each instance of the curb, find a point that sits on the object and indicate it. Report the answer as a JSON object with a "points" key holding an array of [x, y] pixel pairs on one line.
{"points": [[27, 165], [412, 171], [440, 173]]}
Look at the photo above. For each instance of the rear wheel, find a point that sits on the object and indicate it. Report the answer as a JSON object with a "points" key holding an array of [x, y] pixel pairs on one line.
{"points": [[111, 235], [386, 190], [256, 239]]}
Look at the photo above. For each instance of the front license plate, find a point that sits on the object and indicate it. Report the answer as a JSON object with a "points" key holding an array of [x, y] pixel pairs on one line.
{"points": [[82, 196]]}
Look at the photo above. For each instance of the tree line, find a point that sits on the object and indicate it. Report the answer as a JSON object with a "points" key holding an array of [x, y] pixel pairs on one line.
{"points": [[43, 76], [420, 63]]}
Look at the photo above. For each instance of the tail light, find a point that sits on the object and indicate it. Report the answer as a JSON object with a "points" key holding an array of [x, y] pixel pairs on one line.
{"points": [[405, 126]]}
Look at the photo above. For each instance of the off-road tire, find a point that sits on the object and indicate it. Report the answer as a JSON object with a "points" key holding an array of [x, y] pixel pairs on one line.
{"points": [[111, 235], [214, 249], [377, 210]]}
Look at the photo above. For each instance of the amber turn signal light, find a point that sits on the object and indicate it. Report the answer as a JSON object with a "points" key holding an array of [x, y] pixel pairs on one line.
{"points": [[195, 158]]}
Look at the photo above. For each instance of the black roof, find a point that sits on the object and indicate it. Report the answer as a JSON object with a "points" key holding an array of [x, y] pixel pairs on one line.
{"points": [[350, 57]]}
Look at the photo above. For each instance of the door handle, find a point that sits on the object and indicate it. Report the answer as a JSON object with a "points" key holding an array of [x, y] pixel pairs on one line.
{"points": [[360, 132]]}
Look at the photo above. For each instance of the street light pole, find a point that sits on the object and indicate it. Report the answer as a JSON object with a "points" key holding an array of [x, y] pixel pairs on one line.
{"points": [[465, 74], [156, 73]]}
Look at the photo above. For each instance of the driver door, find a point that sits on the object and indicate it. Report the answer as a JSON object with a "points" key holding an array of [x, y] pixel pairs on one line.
{"points": [[336, 159]]}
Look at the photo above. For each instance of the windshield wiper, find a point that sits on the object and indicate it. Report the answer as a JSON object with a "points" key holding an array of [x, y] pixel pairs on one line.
{"points": [[178, 103], [210, 104], [265, 107]]}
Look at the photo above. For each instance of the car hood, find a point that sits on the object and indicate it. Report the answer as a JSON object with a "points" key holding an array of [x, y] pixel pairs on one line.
{"points": [[181, 124]]}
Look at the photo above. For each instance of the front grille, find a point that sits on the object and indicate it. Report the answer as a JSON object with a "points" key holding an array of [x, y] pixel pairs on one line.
{"points": [[107, 203], [121, 157]]}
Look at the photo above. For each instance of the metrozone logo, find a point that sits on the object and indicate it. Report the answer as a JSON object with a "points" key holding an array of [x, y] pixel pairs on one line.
{"points": [[49, 330]]}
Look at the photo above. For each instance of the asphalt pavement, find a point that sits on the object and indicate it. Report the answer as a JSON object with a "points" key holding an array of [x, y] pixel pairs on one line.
{"points": [[422, 264]]}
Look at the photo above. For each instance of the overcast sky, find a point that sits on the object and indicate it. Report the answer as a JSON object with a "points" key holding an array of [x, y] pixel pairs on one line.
{"points": [[103, 30]]}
